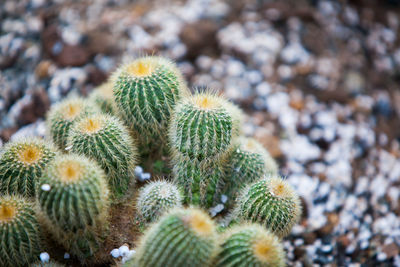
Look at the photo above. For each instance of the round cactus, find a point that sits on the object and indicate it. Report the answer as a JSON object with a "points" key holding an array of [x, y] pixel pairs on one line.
{"points": [[202, 182], [156, 198], [72, 196], [146, 91], [19, 231], [247, 162], [103, 97], [202, 127], [22, 163], [183, 237], [105, 139], [250, 245], [62, 115], [272, 203]]}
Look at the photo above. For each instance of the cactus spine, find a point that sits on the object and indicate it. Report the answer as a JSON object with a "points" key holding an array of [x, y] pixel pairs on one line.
{"points": [[156, 198], [201, 133], [271, 202], [183, 237], [250, 245], [105, 139], [19, 231], [248, 161], [103, 97], [22, 163], [62, 115], [146, 91], [74, 206]]}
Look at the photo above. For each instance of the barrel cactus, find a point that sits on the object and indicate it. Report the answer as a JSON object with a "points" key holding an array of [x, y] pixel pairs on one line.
{"points": [[272, 203], [156, 198], [105, 139], [146, 91], [19, 231], [72, 197], [103, 97], [21, 165], [183, 237], [62, 115], [250, 245]]}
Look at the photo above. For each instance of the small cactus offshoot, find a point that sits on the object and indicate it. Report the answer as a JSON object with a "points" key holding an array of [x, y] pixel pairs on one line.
{"points": [[21, 165], [19, 231], [73, 200], [250, 245], [103, 97], [247, 162], [62, 115], [272, 203], [156, 198], [182, 237], [105, 139], [146, 91]]}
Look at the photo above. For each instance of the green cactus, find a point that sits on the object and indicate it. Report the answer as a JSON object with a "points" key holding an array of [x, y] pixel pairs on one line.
{"points": [[156, 198], [271, 202], [19, 231], [202, 127], [183, 237], [47, 264], [202, 182], [72, 197], [103, 97], [146, 91], [247, 162], [22, 163], [105, 139], [250, 245], [62, 115]]}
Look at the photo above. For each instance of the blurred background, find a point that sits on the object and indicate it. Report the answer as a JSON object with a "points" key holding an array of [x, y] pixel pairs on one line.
{"points": [[319, 81]]}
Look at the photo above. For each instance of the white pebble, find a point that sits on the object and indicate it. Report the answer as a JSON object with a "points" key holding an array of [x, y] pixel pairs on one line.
{"points": [[66, 255], [44, 257], [68, 148], [115, 253], [123, 250], [45, 187], [224, 198], [146, 176], [138, 170]]}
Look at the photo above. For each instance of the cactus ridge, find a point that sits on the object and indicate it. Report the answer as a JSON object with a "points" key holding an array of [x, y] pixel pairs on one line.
{"points": [[146, 92], [19, 231], [105, 139], [156, 198], [183, 237], [271, 202], [250, 246], [62, 116], [21, 165], [202, 127]]}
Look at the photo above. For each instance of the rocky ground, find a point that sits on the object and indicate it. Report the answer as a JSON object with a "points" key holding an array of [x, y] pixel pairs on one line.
{"points": [[319, 81]]}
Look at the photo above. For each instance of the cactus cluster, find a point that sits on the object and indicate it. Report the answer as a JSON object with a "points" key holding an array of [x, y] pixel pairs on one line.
{"points": [[21, 165], [145, 113]]}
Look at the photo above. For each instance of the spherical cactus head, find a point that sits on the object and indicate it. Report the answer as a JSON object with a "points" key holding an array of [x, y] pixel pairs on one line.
{"points": [[22, 163], [271, 202], [250, 245], [146, 91], [157, 197], [63, 114], [182, 237], [106, 140], [202, 127], [72, 194], [103, 98], [19, 231]]}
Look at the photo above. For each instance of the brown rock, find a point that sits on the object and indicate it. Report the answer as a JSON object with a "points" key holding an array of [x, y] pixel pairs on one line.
{"points": [[73, 55], [37, 108], [391, 250], [6, 134], [42, 69], [309, 238], [270, 142], [343, 240]]}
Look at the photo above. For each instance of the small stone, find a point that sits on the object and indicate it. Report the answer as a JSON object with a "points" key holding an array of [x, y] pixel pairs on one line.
{"points": [[123, 250], [381, 256], [115, 253], [138, 171], [391, 250], [44, 257], [45, 187], [66, 255], [224, 198]]}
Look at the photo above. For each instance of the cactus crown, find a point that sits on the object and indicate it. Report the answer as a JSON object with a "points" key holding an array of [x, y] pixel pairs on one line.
{"points": [[281, 189], [264, 248], [90, 125], [200, 223], [69, 171], [7, 212], [30, 154], [141, 67]]}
